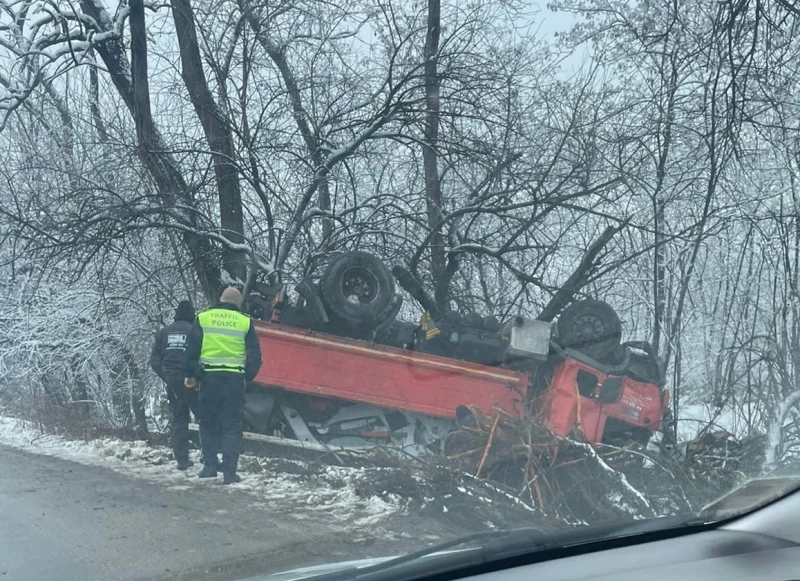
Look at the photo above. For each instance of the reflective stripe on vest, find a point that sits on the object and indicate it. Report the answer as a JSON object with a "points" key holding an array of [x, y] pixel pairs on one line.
{"points": [[226, 332], [223, 347]]}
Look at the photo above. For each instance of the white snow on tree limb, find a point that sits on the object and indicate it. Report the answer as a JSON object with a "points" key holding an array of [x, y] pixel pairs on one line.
{"points": [[615, 476], [775, 441]]}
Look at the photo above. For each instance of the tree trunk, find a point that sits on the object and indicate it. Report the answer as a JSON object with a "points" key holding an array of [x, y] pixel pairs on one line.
{"points": [[578, 278], [278, 57], [659, 261], [142, 114], [659, 275], [94, 104], [136, 380], [433, 192], [151, 150], [218, 135]]}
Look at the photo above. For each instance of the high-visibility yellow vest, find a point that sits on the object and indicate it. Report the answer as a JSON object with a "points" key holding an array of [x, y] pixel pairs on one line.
{"points": [[223, 347]]}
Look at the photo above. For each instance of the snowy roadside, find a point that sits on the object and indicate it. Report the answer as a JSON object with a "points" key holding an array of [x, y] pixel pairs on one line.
{"points": [[285, 486], [373, 499]]}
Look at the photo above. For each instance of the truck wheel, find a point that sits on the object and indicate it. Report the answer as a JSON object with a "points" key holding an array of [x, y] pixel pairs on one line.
{"points": [[473, 320], [451, 317], [590, 326], [388, 317], [357, 289], [491, 324]]}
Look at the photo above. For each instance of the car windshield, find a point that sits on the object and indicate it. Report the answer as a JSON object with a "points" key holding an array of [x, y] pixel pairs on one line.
{"points": [[294, 283]]}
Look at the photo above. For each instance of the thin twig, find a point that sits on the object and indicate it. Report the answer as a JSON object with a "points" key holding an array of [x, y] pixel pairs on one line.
{"points": [[488, 446]]}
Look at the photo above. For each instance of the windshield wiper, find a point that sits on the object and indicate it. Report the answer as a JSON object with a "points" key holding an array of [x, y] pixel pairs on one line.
{"points": [[502, 544]]}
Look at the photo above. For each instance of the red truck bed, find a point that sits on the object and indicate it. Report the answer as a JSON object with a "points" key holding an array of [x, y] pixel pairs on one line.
{"points": [[325, 365]]}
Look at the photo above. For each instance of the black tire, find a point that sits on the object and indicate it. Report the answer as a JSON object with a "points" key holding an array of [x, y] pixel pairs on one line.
{"points": [[590, 326], [357, 289], [491, 324], [388, 316], [618, 359], [473, 320], [647, 369], [451, 317]]}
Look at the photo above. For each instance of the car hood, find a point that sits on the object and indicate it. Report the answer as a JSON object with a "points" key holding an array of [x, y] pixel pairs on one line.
{"points": [[750, 495], [306, 572], [325, 568]]}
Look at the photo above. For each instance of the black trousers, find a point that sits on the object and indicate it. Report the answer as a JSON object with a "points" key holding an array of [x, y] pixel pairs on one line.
{"points": [[221, 401], [181, 402]]}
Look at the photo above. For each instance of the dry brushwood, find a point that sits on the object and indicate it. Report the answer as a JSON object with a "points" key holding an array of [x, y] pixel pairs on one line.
{"points": [[716, 461], [562, 477]]}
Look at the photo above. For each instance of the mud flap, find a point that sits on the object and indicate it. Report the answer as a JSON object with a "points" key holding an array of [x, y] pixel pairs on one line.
{"points": [[258, 409]]}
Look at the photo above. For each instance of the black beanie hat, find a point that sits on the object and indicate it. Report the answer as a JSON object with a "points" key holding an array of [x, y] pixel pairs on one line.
{"points": [[185, 311]]}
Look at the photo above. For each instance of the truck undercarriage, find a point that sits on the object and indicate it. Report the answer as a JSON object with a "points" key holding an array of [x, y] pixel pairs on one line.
{"points": [[341, 373]]}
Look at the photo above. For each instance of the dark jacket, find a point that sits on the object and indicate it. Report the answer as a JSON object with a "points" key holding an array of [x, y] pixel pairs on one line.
{"points": [[168, 357], [252, 348]]}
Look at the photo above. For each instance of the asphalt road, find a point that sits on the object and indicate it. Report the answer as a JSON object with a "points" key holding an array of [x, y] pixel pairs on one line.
{"points": [[62, 520]]}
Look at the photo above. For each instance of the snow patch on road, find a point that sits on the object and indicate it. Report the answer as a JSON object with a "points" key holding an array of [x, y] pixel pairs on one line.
{"points": [[301, 492]]}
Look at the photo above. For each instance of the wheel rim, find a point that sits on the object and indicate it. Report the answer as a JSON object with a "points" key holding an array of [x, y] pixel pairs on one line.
{"points": [[359, 285], [588, 329]]}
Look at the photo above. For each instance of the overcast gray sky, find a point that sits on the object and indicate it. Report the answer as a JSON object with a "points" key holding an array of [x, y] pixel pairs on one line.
{"points": [[549, 23]]}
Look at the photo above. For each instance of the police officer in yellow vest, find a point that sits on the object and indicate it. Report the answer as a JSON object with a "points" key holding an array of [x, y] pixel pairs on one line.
{"points": [[222, 356]]}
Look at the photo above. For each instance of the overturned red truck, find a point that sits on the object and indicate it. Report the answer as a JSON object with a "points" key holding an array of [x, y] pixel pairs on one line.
{"points": [[341, 372]]}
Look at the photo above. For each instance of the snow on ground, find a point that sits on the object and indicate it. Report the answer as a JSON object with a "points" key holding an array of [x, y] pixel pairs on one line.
{"points": [[693, 418], [329, 492], [358, 499]]}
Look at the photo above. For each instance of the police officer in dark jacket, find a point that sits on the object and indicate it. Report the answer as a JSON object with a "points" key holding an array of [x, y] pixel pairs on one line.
{"points": [[168, 360], [222, 356]]}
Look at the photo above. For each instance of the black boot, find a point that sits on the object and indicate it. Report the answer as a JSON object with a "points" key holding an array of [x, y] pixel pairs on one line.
{"points": [[184, 464], [215, 457], [231, 478], [208, 471]]}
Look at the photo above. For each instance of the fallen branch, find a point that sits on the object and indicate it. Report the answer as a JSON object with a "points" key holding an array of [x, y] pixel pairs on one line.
{"points": [[488, 446], [579, 277]]}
